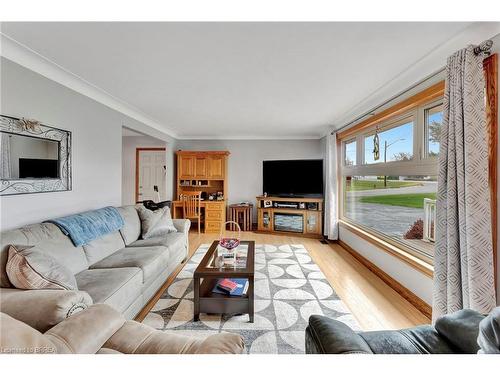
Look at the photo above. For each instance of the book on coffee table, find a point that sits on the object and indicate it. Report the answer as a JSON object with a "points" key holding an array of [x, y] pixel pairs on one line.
{"points": [[232, 287]]}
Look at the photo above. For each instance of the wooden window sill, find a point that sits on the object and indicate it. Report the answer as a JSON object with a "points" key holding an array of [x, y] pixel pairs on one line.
{"points": [[413, 261]]}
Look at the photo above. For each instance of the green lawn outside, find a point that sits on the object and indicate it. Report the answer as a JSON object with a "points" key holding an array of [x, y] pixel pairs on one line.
{"points": [[359, 185], [403, 200]]}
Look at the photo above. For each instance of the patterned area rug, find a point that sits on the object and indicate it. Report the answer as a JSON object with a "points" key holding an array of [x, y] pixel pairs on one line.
{"points": [[289, 287]]}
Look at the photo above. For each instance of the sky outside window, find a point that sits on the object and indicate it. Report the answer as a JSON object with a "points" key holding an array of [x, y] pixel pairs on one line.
{"points": [[400, 140], [434, 122], [350, 153]]}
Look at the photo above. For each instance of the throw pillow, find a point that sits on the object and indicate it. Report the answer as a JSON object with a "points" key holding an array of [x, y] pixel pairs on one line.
{"points": [[29, 268], [148, 219], [155, 223], [164, 226]]}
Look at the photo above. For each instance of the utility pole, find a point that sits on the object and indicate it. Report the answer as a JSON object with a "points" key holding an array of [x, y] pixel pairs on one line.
{"points": [[385, 160], [386, 146]]}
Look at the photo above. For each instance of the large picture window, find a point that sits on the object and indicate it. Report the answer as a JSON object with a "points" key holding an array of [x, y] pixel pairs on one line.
{"points": [[391, 192]]}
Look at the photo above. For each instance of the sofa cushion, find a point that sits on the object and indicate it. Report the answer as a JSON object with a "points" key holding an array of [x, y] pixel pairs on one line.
{"points": [[417, 340], [155, 223], [167, 240], [117, 287], [151, 260], [49, 239], [176, 243], [178, 250], [104, 246], [131, 230], [164, 226], [30, 268]]}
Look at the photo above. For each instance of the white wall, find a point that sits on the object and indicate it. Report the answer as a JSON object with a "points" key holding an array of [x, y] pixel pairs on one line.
{"points": [[416, 281], [96, 149], [129, 145], [245, 160]]}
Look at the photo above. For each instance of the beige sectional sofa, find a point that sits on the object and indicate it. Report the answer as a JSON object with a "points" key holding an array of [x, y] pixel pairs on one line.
{"points": [[102, 330], [119, 269]]}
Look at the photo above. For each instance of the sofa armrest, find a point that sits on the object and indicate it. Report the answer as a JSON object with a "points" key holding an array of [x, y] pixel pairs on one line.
{"points": [[329, 336], [461, 329], [87, 331], [222, 343], [138, 338], [43, 308], [182, 225], [489, 333]]}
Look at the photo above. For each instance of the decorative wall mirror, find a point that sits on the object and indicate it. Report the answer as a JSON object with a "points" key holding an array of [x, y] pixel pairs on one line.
{"points": [[34, 158]]}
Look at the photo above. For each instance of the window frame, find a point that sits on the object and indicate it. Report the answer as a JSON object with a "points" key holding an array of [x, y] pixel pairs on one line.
{"points": [[429, 106], [421, 164], [344, 151]]}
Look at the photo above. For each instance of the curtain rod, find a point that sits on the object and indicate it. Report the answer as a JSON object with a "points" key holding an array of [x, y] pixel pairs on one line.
{"points": [[483, 48]]}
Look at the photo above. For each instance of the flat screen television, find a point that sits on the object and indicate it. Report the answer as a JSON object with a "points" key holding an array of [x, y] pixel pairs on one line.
{"points": [[38, 168], [293, 178]]}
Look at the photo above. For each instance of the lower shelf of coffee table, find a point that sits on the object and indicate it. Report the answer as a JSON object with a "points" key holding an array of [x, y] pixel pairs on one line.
{"points": [[216, 303]]}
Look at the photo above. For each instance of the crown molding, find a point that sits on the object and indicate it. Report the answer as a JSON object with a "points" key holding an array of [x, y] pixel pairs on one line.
{"points": [[249, 138], [32, 60]]}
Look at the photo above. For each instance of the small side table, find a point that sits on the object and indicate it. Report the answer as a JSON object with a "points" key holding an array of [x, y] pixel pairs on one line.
{"points": [[242, 214]]}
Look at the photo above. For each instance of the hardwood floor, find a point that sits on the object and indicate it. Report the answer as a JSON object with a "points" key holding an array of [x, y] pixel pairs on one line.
{"points": [[375, 305]]}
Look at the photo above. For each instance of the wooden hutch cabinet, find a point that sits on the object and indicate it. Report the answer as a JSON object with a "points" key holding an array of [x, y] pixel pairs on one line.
{"points": [[204, 171]]}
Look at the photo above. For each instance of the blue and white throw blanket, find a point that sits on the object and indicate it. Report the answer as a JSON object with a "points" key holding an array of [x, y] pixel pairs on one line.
{"points": [[87, 226]]}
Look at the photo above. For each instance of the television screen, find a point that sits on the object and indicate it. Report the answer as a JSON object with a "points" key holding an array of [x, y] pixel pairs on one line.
{"points": [[38, 168], [293, 178]]}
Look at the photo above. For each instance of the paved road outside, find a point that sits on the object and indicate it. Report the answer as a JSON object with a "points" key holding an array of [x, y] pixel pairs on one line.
{"points": [[426, 187], [391, 220]]}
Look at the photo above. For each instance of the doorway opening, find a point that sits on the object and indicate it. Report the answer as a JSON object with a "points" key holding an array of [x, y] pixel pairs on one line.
{"points": [[137, 148], [150, 174]]}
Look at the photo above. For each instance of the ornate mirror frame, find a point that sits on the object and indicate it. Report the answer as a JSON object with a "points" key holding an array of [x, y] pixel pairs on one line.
{"points": [[33, 128]]}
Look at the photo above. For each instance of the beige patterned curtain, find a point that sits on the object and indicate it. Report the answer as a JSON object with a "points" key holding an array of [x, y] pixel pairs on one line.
{"points": [[463, 261]]}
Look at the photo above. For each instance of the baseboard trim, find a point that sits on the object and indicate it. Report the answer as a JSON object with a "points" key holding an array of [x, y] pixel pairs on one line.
{"points": [[404, 292]]}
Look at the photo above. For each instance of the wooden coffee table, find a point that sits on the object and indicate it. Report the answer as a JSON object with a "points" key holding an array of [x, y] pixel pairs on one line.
{"points": [[206, 275]]}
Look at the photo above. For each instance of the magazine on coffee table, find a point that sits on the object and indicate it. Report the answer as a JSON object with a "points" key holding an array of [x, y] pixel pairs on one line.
{"points": [[241, 287]]}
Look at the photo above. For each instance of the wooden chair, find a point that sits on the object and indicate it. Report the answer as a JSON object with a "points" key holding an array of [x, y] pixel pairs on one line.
{"points": [[191, 206]]}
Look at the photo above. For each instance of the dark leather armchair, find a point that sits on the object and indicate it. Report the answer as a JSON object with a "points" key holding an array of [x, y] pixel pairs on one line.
{"points": [[453, 333]]}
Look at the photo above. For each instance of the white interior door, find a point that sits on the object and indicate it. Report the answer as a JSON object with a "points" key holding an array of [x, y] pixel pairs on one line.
{"points": [[152, 173]]}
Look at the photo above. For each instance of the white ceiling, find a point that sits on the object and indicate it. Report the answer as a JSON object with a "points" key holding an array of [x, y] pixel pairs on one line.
{"points": [[238, 80]]}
